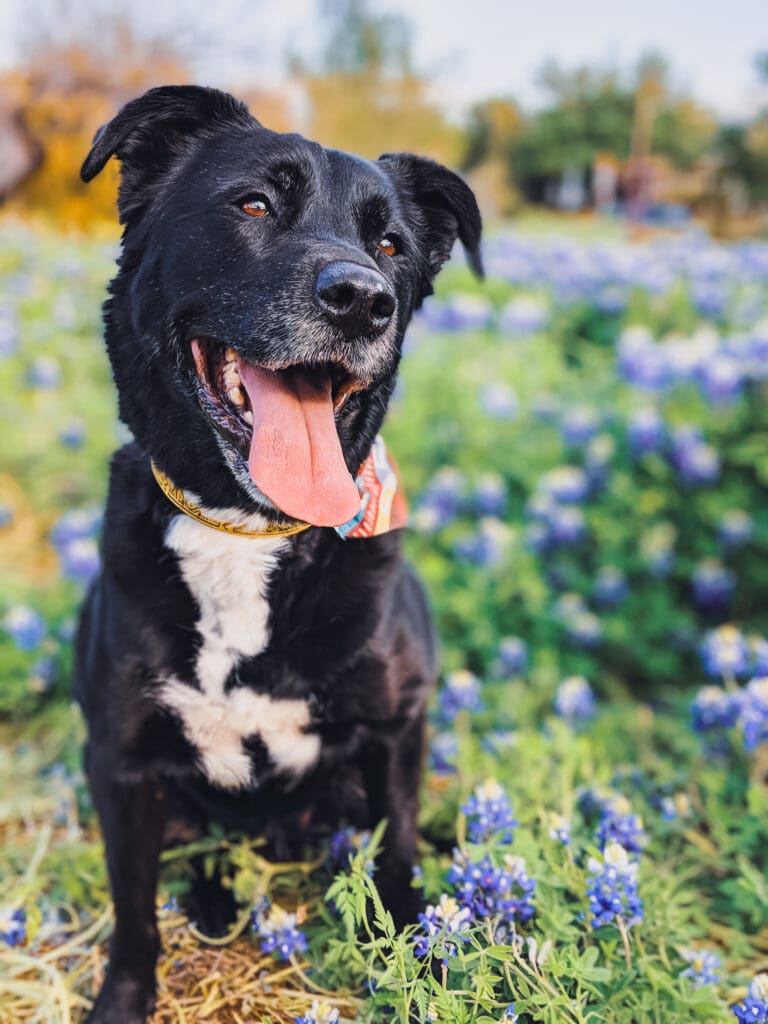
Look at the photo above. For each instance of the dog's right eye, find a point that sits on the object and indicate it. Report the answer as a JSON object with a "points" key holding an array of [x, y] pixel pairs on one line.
{"points": [[255, 206]]}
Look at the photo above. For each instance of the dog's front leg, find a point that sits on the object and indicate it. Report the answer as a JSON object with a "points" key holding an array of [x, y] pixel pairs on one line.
{"points": [[132, 816], [392, 768]]}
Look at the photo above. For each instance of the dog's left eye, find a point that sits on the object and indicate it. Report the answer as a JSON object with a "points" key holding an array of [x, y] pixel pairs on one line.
{"points": [[388, 246], [256, 206]]}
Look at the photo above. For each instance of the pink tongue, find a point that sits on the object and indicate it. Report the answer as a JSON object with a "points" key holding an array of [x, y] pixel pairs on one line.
{"points": [[296, 457]]}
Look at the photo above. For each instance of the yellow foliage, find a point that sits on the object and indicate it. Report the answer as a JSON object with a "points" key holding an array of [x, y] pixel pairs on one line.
{"points": [[373, 113], [63, 97]]}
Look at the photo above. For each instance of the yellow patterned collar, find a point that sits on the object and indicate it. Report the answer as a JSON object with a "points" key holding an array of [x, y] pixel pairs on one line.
{"points": [[177, 498]]}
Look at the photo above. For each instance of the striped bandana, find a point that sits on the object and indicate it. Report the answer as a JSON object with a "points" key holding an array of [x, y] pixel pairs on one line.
{"points": [[381, 492]]}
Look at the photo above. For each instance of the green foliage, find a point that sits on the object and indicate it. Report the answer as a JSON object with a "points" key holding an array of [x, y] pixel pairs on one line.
{"points": [[593, 110]]}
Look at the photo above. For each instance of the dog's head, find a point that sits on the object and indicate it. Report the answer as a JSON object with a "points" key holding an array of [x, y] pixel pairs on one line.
{"points": [[265, 285]]}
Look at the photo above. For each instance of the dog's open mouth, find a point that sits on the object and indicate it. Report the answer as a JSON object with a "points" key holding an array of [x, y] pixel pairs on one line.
{"points": [[282, 421]]}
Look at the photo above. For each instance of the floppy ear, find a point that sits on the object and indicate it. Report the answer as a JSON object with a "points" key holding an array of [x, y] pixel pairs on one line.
{"points": [[447, 203], [148, 132]]}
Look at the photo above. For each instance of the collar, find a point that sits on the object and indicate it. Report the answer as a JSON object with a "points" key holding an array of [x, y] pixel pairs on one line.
{"points": [[382, 504]]}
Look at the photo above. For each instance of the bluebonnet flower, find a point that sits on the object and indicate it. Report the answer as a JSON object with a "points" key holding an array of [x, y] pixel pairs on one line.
{"points": [[612, 888], [735, 529], [486, 546], [579, 425], [443, 751], [536, 537], [499, 401], [26, 627], [584, 629], [345, 844], [751, 1011], [9, 333], [754, 712], [444, 924], [713, 585], [695, 461], [566, 526], [495, 741], [489, 495], [504, 894], [676, 806], [709, 298], [319, 1013], [509, 1016], [575, 699], [646, 431], [540, 506], [758, 655], [74, 537], [278, 932], [525, 314], [80, 559], [512, 656], [565, 484], [42, 674], [611, 299], [599, 453], [754, 1009], [72, 434], [461, 312], [713, 709], [724, 652], [703, 968], [44, 373], [722, 379], [460, 692], [610, 586], [442, 497], [567, 605], [657, 548], [640, 360], [13, 926], [619, 825], [559, 828], [489, 814]]}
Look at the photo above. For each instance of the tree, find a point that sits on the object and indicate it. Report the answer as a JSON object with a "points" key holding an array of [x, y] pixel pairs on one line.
{"points": [[491, 127], [363, 91], [591, 110]]}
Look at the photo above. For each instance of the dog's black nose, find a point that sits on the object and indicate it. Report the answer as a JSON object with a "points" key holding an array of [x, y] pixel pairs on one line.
{"points": [[355, 298]]}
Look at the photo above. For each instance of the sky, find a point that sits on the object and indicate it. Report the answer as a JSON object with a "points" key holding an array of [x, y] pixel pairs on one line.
{"points": [[471, 49]]}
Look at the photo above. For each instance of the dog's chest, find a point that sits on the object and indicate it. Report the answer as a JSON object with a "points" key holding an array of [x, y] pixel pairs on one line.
{"points": [[229, 579]]}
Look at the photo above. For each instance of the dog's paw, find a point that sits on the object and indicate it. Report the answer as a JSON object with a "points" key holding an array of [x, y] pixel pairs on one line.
{"points": [[123, 1001]]}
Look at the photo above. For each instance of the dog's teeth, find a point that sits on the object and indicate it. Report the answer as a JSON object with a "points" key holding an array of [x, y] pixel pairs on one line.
{"points": [[248, 416], [231, 378], [235, 395]]}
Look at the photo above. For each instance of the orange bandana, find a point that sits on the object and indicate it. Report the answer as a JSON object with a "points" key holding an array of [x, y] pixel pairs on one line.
{"points": [[383, 505]]}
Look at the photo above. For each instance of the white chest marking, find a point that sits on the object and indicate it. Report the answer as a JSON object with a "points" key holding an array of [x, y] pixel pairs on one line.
{"points": [[228, 576]]}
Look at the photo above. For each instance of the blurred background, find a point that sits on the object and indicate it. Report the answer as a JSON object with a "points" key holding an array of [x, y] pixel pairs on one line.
{"points": [[583, 436], [653, 113]]}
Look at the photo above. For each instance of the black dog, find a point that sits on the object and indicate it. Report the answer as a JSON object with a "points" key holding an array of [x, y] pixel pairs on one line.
{"points": [[273, 683]]}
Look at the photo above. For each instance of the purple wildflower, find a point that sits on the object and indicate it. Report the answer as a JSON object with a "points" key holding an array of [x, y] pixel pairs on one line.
{"points": [[703, 968], [612, 889], [277, 931], [575, 700], [489, 814]]}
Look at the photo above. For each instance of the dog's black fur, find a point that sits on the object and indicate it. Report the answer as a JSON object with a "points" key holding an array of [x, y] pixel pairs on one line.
{"points": [[349, 631]]}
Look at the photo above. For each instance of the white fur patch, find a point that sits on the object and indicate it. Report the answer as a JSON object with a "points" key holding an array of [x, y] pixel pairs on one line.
{"points": [[228, 577]]}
